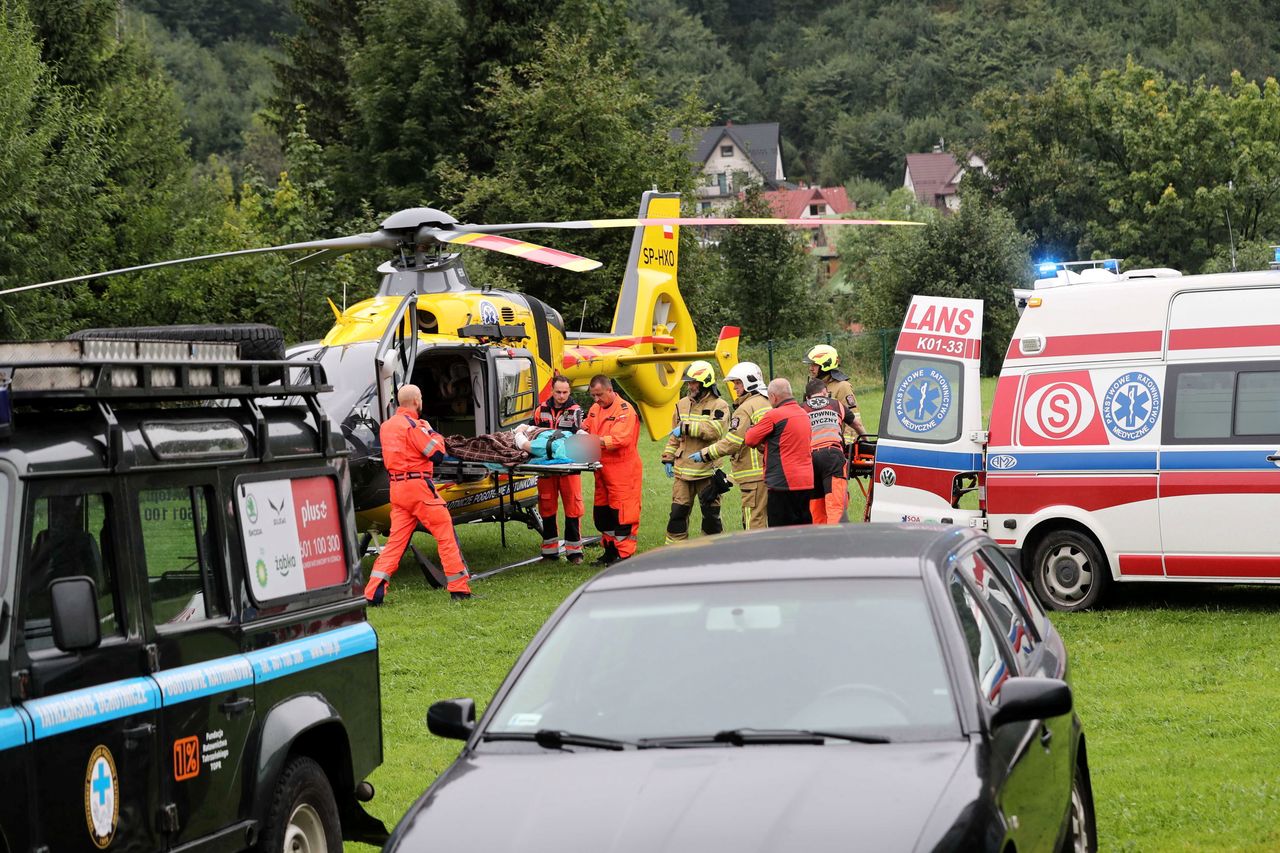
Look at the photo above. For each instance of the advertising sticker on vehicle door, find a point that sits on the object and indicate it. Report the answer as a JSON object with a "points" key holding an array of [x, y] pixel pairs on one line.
{"points": [[292, 536]]}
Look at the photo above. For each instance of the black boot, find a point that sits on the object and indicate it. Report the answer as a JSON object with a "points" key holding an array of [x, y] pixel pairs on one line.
{"points": [[609, 557]]}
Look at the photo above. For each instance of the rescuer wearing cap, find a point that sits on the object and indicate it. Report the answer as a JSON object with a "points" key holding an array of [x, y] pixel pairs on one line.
{"points": [[700, 420], [619, 480], [410, 449], [561, 413], [746, 381], [823, 361]]}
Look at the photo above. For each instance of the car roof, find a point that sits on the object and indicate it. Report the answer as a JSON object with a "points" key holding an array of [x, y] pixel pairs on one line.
{"points": [[820, 551]]}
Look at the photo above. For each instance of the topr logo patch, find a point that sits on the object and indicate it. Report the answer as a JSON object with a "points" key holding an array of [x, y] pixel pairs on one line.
{"points": [[101, 797]]}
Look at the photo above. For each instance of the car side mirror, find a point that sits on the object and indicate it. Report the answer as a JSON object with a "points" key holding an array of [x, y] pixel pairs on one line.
{"points": [[452, 718], [74, 602], [1023, 699]]}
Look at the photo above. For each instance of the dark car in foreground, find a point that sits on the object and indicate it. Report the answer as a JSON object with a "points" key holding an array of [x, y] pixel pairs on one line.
{"points": [[853, 687]]}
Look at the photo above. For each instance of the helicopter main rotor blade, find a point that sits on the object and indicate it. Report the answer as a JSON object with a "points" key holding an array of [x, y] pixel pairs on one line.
{"points": [[582, 224], [351, 243], [517, 248]]}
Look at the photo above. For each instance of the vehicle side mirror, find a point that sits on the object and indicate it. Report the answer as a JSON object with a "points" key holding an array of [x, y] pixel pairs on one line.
{"points": [[74, 603], [452, 718], [1023, 699]]}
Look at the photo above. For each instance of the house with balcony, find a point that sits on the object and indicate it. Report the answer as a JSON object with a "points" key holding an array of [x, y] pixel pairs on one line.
{"points": [[733, 157]]}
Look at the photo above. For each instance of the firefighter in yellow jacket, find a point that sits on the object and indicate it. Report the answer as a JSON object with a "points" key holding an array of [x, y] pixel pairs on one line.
{"points": [[701, 419], [747, 383]]}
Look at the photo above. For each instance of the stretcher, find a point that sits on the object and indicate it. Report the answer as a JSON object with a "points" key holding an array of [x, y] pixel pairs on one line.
{"points": [[861, 456]]}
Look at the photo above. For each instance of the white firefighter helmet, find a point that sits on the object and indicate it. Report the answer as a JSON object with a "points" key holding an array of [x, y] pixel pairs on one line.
{"points": [[749, 374]]}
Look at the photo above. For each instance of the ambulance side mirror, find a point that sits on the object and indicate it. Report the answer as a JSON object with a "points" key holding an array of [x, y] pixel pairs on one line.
{"points": [[74, 604]]}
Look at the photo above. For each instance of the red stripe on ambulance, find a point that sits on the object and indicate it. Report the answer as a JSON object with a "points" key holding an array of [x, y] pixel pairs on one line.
{"points": [[1024, 495]]}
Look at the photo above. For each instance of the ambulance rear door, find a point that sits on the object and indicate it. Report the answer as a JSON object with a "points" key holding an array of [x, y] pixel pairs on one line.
{"points": [[929, 456]]}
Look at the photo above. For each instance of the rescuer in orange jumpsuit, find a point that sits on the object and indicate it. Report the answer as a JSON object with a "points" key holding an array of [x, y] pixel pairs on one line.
{"points": [[830, 473], [410, 449], [619, 481], [560, 412]]}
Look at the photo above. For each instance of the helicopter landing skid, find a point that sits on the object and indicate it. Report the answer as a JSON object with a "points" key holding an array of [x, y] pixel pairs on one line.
{"points": [[587, 541]]}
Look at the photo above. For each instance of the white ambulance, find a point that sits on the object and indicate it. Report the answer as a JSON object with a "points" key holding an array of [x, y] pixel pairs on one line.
{"points": [[1134, 434]]}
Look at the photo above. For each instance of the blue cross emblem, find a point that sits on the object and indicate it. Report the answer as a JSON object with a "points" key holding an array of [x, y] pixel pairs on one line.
{"points": [[1131, 407], [102, 783], [922, 400]]}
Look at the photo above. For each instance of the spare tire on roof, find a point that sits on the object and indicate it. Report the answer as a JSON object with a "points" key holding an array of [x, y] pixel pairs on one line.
{"points": [[258, 341]]}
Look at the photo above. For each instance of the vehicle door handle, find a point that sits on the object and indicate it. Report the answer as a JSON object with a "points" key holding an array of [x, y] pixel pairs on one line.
{"points": [[1046, 735], [133, 736], [1275, 457], [232, 707]]}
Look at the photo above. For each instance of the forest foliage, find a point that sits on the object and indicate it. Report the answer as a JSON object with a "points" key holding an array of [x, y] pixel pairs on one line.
{"points": [[136, 132]]}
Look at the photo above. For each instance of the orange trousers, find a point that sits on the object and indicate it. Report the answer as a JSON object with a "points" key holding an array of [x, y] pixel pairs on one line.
{"points": [[566, 488], [414, 501], [616, 509], [829, 509]]}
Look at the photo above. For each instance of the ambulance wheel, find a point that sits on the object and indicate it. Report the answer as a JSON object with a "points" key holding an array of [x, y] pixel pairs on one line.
{"points": [[304, 814], [1069, 571]]}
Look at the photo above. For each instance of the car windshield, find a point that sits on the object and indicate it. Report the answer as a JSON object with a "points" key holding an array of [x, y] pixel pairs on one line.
{"points": [[843, 656]]}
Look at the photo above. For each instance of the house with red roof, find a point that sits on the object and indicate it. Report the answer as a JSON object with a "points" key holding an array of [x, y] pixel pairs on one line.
{"points": [[935, 177], [814, 203]]}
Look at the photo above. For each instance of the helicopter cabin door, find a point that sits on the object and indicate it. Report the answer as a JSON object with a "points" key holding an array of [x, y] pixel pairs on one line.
{"points": [[396, 353], [513, 391]]}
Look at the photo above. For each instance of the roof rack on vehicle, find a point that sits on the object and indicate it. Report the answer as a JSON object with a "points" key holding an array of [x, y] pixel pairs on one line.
{"points": [[147, 370]]}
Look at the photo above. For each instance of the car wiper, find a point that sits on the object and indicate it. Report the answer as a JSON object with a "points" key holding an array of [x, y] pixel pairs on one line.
{"points": [[557, 739], [752, 737]]}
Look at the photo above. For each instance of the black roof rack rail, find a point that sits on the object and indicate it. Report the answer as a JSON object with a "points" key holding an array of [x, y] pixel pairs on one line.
{"points": [[148, 371]]}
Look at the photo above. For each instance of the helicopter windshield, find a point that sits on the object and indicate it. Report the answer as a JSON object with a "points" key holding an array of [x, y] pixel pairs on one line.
{"points": [[349, 370]]}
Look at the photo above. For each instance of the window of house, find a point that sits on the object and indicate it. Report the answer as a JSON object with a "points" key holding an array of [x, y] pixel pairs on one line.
{"points": [[70, 537], [726, 150], [704, 207], [182, 579], [722, 179], [817, 209]]}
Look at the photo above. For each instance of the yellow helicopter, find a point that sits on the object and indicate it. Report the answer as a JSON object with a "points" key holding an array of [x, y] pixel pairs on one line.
{"points": [[485, 358]]}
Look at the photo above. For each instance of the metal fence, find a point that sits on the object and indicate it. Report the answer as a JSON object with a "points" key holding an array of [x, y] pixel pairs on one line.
{"points": [[864, 355]]}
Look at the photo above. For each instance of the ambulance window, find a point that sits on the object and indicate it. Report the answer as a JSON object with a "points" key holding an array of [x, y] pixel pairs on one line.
{"points": [[180, 549], [1000, 602], [1258, 403], [70, 537], [923, 402], [990, 665], [1202, 406]]}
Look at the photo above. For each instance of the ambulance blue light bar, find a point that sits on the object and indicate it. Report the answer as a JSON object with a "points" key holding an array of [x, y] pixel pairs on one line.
{"points": [[1048, 269]]}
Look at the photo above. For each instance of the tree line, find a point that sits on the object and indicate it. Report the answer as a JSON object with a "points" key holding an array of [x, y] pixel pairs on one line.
{"points": [[132, 134]]}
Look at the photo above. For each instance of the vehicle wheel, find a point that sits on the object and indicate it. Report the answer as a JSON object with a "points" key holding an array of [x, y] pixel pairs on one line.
{"points": [[258, 341], [1069, 571], [1082, 830], [304, 815]]}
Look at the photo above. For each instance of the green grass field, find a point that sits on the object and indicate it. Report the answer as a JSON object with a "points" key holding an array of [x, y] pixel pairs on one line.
{"points": [[1178, 686]]}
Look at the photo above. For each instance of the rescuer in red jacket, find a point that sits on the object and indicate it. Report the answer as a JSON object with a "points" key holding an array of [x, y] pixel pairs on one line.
{"points": [[620, 479], [785, 436], [410, 449], [560, 412]]}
